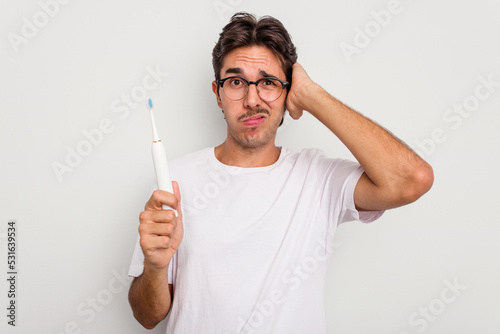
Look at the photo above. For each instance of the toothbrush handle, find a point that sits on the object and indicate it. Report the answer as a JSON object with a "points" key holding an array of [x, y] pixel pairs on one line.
{"points": [[162, 171]]}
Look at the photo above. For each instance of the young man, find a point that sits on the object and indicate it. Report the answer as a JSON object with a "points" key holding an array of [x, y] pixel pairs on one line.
{"points": [[248, 252]]}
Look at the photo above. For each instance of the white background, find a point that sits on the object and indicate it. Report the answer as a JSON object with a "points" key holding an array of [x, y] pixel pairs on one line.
{"points": [[76, 233]]}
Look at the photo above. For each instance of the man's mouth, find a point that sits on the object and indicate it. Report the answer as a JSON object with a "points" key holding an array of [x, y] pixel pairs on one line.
{"points": [[254, 120]]}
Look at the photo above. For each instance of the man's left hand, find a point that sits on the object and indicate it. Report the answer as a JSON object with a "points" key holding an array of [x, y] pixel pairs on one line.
{"points": [[296, 100]]}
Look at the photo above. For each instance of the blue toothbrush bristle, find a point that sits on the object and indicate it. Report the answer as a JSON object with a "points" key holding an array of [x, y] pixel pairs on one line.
{"points": [[150, 103]]}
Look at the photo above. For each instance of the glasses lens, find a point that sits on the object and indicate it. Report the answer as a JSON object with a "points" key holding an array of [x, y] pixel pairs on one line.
{"points": [[269, 89], [235, 88]]}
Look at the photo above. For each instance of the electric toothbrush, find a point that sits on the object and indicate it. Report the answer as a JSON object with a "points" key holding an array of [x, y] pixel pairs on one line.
{"points": [[160, 160]]}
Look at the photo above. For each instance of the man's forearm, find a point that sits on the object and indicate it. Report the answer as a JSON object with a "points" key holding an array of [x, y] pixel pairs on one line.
{"points": [[150, 297], [387, 161]]}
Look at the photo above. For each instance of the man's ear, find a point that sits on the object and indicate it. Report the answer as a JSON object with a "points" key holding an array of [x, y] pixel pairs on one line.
{"points": [[214, 89]]}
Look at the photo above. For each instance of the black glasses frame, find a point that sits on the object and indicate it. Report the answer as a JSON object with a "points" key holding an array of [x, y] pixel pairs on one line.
{"points": [[284, 84]]}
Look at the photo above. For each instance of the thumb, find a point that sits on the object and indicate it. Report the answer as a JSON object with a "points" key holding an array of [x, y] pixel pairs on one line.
{"points": [[177, 193], [295, 113], [178, 233]]}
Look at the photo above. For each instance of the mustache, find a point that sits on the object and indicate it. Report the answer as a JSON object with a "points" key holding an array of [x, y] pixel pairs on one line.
{"points": [[253, 112]]}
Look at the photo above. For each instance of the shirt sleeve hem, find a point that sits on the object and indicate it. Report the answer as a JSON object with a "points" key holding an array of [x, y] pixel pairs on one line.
{"points": [[135, 271], [361, 216]]}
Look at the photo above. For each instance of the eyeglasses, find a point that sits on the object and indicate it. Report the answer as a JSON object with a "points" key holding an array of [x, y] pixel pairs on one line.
{"points": [[236, 88]]}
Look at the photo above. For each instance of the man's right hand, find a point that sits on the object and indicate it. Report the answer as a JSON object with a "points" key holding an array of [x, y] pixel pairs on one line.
{"points": [[160, 231]]}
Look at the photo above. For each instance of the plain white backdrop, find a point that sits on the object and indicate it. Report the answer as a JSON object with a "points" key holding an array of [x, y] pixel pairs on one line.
{"points": [[76, 169]]}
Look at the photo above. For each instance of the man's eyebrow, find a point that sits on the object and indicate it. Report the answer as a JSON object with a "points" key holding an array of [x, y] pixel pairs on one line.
{"points": [[234, 70], [265, 74], [238, 70]]}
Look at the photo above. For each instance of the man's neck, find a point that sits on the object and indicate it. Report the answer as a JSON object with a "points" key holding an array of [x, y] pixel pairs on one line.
{"points": [[233, 155]]}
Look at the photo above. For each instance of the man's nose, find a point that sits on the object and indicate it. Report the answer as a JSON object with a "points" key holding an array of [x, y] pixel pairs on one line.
{"points": [[252, 99]]}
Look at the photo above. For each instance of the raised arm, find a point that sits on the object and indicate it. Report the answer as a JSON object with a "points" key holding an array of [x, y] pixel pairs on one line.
{"points": [[161, 233], [394, 174]]}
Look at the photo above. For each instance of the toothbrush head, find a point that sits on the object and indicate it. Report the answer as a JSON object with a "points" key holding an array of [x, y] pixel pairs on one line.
{"points": [[153, 125]]}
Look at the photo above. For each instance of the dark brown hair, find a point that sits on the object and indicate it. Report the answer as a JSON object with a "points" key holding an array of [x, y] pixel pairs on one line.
{"points": [[245, 29]]}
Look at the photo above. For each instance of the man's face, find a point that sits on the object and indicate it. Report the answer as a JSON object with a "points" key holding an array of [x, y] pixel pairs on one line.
{"points": [[251, 121]]}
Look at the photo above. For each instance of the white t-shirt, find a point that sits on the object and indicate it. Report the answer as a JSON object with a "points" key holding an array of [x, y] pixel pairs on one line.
{"points": [[256, 242]]}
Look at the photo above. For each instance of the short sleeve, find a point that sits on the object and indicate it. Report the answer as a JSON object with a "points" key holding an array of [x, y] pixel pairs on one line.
{"points": [[338, 182], [349, 207]]}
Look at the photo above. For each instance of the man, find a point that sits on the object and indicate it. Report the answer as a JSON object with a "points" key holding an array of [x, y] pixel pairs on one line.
{"points": [[248, 253]]}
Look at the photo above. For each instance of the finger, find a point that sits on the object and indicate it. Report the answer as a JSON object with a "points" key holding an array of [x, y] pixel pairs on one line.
{"points": [[295, 114], [151, 243], [157, 216], [152, 229], [299, 114], [160, 197], [299, 69], [178, 233], [177, 192]]}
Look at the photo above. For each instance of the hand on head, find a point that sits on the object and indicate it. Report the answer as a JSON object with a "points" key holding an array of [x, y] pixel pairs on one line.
{"points": [[295, 101]]}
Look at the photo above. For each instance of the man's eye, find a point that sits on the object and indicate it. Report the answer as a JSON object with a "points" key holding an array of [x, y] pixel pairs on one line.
{"points": [[236, 82], [268, 82]]}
